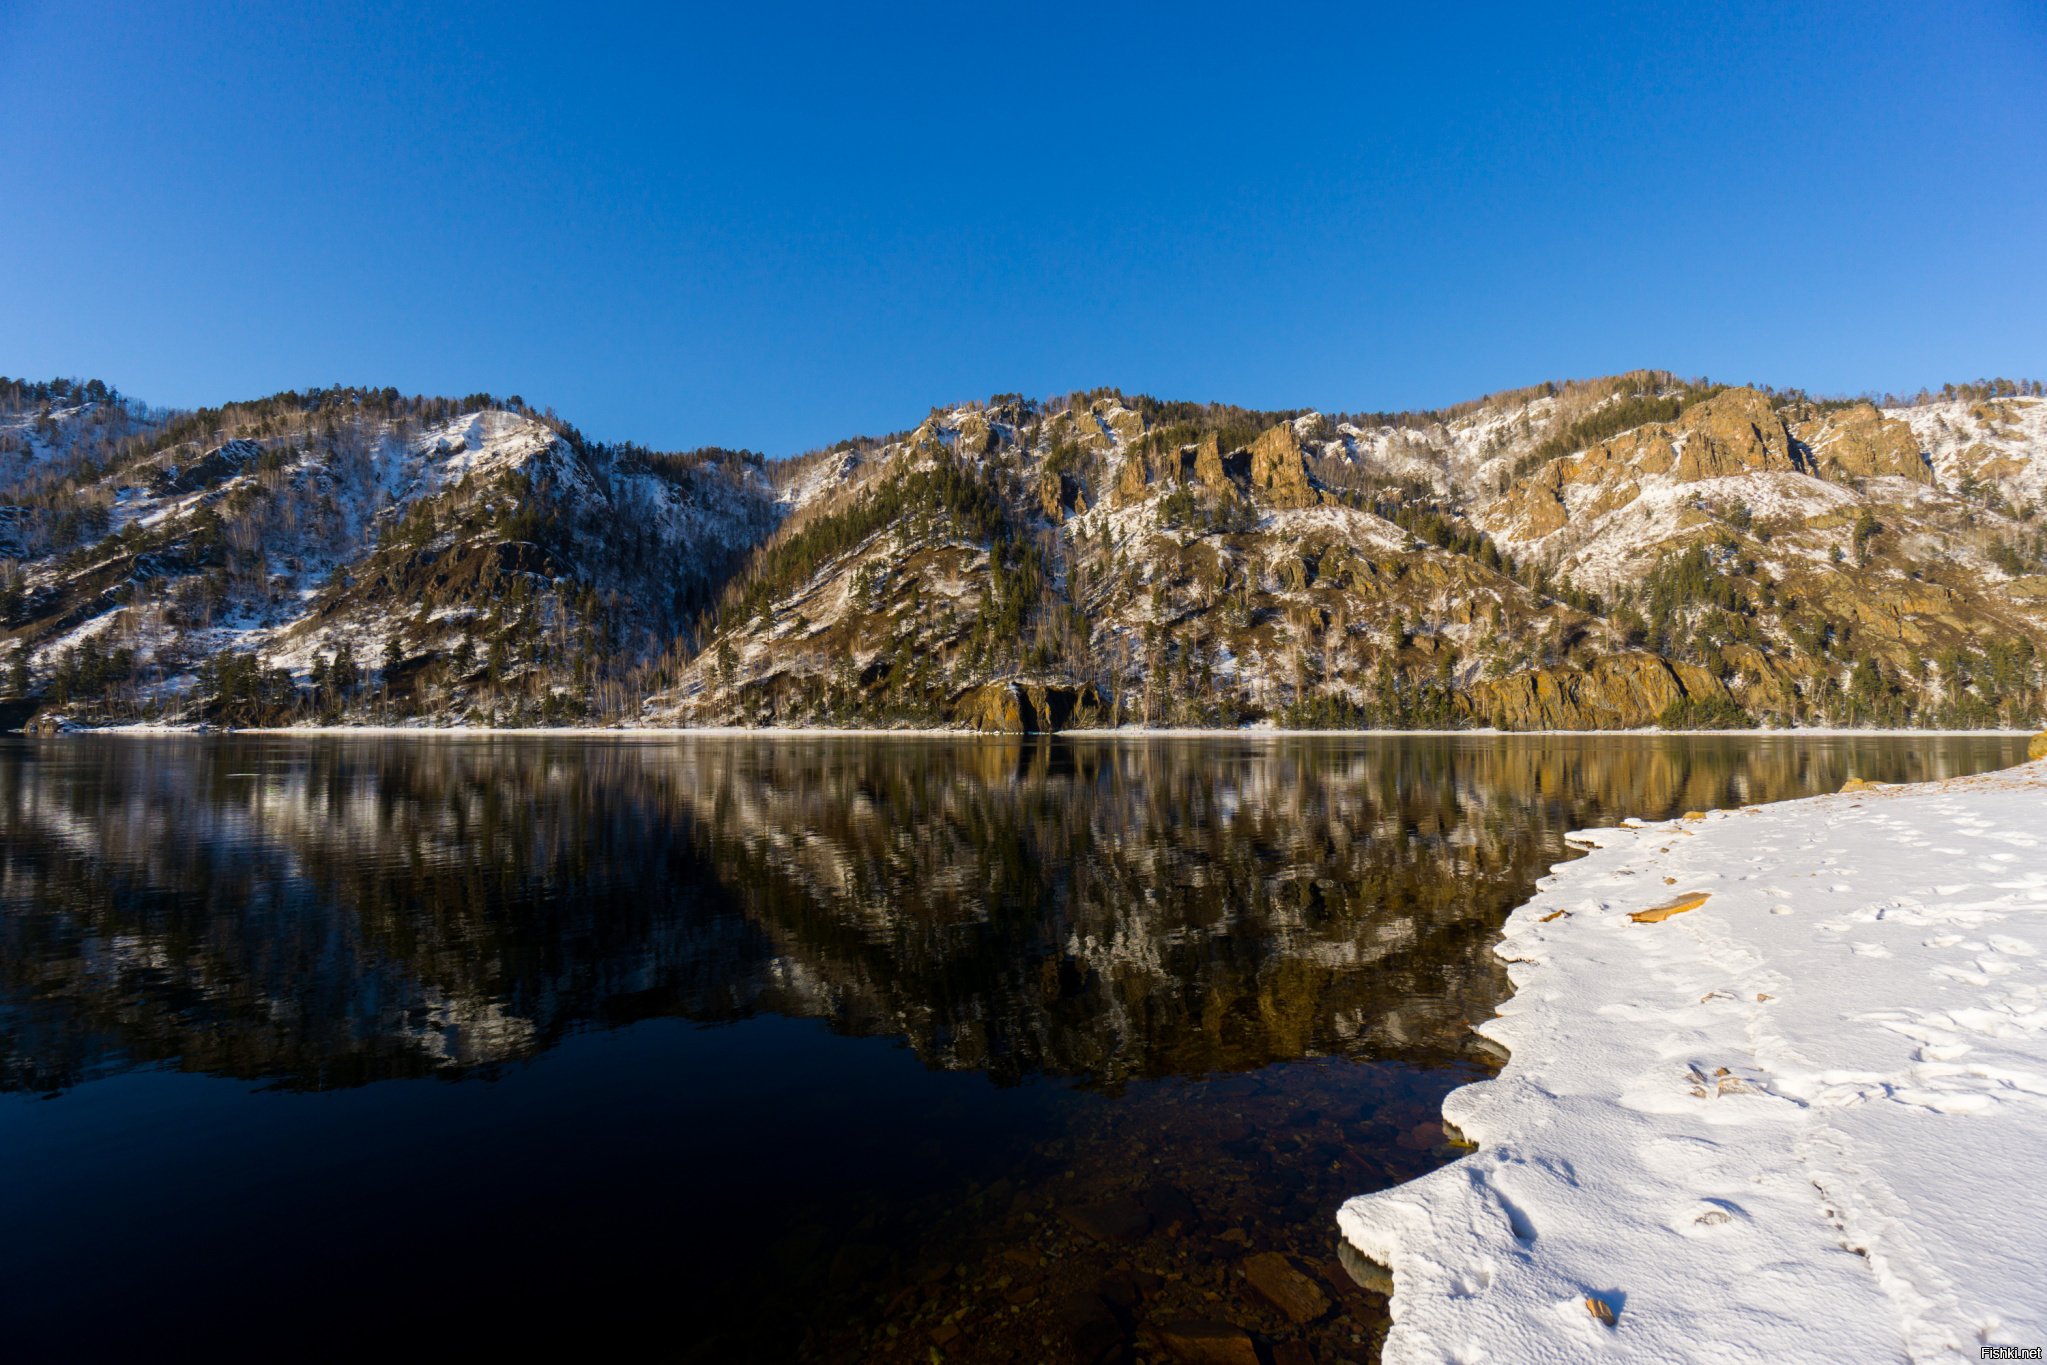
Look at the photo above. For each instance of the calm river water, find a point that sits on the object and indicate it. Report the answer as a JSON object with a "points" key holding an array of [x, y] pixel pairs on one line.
{"points": [[731, 1050]]}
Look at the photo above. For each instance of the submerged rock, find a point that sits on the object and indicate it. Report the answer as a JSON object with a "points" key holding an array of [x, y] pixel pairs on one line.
{"points": [[1171, 1209], [1088, 1324], [1286, 1288], [1113, 1220], [1208, 1343]]}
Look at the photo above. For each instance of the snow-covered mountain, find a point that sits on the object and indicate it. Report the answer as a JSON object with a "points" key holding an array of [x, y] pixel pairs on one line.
{"points": [[348, 549], [1601, 554], [1606, 553]]}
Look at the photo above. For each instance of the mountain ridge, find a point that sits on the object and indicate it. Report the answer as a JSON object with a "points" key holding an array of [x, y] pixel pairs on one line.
{"points": [[1610, 553]]}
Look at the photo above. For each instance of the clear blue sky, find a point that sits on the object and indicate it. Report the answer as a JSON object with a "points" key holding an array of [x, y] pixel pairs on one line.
{"points": [[772, 226]]}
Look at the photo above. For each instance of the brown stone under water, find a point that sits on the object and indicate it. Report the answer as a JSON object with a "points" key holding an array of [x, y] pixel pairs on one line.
{"points": [[1191, 1223]]}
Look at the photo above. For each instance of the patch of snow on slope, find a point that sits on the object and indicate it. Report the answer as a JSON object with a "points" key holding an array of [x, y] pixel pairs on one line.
{"points": [[479, 445], [818, 478], [1799, 1121], [1356, 528], [1600, 550], [2010, 429]]}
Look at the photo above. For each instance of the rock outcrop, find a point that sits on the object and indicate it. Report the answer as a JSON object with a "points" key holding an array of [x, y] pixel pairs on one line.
{"points": [[1017, 706], [1502, 563], [1860, 443], [1620, 692], [1732, 433], [1735, 432], [976, 436], [1208, 464], [1059, 495], [1279, 470]]}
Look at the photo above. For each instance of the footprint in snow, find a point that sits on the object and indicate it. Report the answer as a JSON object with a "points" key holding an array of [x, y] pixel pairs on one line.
{"points": [[1708, 1218], [1472, 1285]]}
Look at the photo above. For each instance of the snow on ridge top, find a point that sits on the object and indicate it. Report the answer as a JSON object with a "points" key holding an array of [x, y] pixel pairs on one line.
{"points": [[1795, 1120], [482, 443], [2001, 439]]}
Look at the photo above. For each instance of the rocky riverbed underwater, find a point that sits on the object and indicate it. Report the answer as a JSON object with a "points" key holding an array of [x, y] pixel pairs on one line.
{"points": [[876, 1049]]}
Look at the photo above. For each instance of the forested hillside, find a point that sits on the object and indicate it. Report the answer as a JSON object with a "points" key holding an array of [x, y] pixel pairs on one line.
{"points": [[352, 553], [1610, 553]]}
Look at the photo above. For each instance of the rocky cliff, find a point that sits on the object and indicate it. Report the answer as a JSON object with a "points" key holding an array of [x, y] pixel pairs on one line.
{"points": [[1611, 553]]}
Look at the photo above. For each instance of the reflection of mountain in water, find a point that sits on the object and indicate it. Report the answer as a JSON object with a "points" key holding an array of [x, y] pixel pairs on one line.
{"points": [[328, 912]]}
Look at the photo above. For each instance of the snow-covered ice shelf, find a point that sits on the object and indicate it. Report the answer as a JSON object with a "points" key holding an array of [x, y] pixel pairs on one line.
{"points": [[1805, 1120]]}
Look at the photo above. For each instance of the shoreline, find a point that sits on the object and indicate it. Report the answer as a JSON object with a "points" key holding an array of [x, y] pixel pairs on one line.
{"points": [[1774, 1123], [941, 732]]}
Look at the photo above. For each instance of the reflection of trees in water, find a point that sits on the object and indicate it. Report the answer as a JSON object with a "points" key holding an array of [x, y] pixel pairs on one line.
{"points": [[330, 912]]}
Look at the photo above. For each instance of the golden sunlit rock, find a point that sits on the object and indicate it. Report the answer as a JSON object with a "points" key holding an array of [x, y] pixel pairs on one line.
{"points": [[1657, 914]]}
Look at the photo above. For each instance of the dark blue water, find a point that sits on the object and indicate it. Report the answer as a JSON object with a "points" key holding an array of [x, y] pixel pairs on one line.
{"points": [[736, 1050]]}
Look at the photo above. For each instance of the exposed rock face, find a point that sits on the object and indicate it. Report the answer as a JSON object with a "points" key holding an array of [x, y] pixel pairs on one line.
{"points": [[976, 436], [1127, 425], [1087, 430], [1723, 531], [1857, 566], [1861, 442], [1141, 470], [1101, 425], [1018, 707], [1132, 480], [1278, 468], [210, 468], [1538, 505], [1622, 691], [1736, 432], [1059, 494], [1985, 464], [1732, 433], [1208, 464]]}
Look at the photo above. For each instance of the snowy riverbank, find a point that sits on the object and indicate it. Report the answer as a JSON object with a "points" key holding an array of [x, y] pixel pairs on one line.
{"points": [[1261, 731], [1804, 1119]]}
